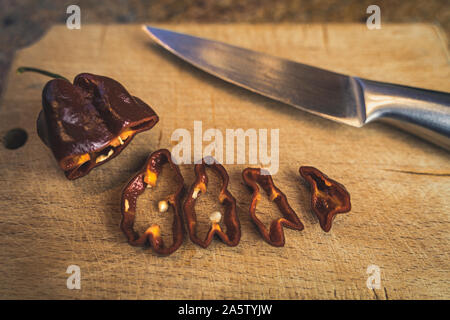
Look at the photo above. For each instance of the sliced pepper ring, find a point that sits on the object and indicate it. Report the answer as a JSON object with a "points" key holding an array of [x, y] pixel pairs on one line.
{"points": [[232, 235], [147, 177], [252, 178], [89, 122], [328, 197]]}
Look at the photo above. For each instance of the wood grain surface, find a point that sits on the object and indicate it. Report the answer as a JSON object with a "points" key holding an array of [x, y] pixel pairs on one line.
{"points": [[400, 185]]}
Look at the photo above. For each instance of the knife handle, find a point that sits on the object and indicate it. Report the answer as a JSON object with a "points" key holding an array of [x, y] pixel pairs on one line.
{"points": [[424, 113]]}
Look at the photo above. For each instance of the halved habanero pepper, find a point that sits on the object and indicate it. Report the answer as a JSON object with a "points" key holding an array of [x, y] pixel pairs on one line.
{"points": [[89, 122]]}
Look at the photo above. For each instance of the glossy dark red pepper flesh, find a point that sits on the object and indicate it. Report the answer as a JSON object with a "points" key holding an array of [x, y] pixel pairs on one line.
{"points": [[328, 197], [232, 235], [148, 176], [275, 236]]}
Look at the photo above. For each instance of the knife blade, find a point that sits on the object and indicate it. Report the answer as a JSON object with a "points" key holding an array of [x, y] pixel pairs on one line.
{"points": [[347, 99]]}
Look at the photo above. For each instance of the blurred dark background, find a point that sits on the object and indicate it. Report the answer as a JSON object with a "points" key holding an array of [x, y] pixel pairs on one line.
{"points": [[23, 21]]}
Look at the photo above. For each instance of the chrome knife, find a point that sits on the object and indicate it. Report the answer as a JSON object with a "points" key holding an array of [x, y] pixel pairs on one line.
{"points": [[347, 99]]}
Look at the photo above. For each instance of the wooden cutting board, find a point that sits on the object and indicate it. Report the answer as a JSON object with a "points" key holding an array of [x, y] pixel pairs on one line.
{"points": [[399, 185]]}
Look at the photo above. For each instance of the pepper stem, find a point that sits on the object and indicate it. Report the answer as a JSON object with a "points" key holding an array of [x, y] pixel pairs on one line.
{"points": [[46, 73]]}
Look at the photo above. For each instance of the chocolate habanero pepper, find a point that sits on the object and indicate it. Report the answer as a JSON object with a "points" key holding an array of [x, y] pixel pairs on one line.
{"points": [[232, 235], [147, 177], [254, 177], [89, 122], [328, 197]]}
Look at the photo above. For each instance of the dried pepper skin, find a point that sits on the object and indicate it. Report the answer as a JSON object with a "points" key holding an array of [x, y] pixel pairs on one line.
{"points": [[89, 122], [232, 235], [254, 177], [147, 177], [328, 197]]}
